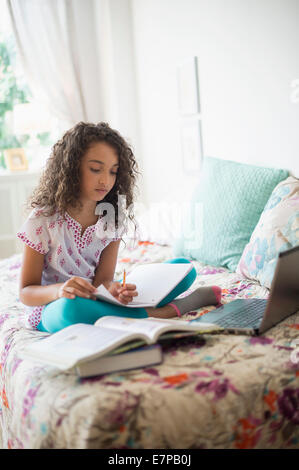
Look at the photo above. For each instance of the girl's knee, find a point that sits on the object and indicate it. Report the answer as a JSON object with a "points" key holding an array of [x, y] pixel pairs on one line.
{"points": [[79, 310], [177, 260], [181, 260], [191, 276], [61, 313], [70, 309]]}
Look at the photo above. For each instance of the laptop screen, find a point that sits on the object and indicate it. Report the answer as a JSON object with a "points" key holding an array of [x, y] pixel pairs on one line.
{"points": [[284, 293]]}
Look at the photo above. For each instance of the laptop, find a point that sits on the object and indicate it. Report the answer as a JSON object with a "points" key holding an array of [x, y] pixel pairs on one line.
{"points": [[255, 316]]}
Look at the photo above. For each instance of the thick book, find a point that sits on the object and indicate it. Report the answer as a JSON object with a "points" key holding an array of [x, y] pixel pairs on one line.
{"points": [[153, 281], [136, 358], [82, 342]]}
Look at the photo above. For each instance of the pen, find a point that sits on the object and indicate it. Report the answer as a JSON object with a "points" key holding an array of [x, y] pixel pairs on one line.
{"points": [[124, 278]]}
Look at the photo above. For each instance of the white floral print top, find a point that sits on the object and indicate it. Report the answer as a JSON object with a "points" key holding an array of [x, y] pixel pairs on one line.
{"points": [[67, 252]]}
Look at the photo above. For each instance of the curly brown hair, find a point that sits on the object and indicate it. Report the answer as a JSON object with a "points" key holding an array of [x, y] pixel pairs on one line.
{"points": [[59, 184]]}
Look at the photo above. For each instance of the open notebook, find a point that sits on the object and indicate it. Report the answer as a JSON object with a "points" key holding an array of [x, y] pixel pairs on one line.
{"points": [[153, 282]]}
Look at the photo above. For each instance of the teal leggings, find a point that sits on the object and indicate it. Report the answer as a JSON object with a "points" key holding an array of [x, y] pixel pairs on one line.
{"points": [[64, 312]]}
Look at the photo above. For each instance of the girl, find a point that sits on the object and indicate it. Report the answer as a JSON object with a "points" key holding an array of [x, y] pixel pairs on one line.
{"points": [[67, 249]]}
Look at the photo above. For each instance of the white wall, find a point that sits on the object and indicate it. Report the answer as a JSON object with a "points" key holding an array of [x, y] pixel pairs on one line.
{"points": [[117, 53], [248, 59]]}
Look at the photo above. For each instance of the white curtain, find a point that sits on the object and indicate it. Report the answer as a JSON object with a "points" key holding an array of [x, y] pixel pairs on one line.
{"points": [[64, 48]]}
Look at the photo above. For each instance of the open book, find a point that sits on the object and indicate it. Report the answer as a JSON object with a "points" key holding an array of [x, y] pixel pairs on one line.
{"points": [[78, 343], [153, 282]]}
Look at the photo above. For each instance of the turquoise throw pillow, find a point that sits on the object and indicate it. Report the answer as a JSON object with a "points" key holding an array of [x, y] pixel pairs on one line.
{"points": [[225, 208]]}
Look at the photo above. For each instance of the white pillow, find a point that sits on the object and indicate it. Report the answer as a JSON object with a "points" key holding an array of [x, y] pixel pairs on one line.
{"points": [[277, 230]]}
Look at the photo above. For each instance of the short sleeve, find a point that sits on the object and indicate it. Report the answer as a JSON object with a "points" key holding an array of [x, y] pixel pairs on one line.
{"points": [[34, 232]]}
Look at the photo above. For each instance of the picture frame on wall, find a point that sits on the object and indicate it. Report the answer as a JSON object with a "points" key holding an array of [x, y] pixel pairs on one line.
{"points": [[15, 159], [188, 87], [192, 148]]}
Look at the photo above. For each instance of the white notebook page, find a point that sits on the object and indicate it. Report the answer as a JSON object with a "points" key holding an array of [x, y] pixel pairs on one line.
{"points": [[154, 281]]}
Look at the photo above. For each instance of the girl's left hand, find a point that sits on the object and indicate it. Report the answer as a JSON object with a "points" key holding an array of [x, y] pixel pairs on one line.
{"points": [[123, 294]]}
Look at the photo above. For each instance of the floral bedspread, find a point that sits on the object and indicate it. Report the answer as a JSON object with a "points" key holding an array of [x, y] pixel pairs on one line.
{"points": [[224, 391]]}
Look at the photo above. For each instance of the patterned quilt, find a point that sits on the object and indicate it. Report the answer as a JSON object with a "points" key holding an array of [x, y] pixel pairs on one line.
{"points": [[223, 391]]}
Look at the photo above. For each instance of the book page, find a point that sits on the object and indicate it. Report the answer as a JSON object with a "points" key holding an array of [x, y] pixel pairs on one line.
{"points": [[153, 327], [77, 342], [153, 282], [143, 325]]}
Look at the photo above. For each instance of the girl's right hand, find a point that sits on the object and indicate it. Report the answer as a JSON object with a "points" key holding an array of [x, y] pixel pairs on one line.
{"points": [[76, 286], [123, 294]]}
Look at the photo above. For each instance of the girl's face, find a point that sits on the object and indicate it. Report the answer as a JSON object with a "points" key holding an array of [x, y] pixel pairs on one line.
{"points": [[99, 167]]}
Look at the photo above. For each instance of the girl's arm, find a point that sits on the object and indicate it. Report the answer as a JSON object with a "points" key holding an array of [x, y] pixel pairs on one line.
{"points": [[105, 270], [31, 292]]}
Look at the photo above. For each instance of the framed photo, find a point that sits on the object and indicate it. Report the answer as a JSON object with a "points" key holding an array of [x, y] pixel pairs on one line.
{"points": [[15, 159], [188, 87], [192, 152]]}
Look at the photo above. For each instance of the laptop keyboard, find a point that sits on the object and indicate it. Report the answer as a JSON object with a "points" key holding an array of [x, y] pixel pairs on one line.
{"points": [[247, 316]]}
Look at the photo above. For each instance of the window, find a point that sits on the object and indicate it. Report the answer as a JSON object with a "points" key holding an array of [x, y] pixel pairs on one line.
{"points": [[24, 123]]}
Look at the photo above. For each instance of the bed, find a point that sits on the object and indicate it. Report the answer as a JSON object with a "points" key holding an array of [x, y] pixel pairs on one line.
{"points": [[224, 391]]}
